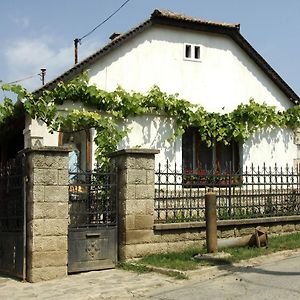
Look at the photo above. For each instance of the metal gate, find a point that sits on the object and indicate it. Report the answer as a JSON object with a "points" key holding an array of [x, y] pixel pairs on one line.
{"points": [[12, 219], [92, 240]]}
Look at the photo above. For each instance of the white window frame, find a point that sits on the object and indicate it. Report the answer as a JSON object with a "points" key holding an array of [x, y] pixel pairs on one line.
{"points": [[193, 52]]}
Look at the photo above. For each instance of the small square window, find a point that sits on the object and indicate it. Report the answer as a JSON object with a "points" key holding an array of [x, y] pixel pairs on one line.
{"points": [[192, 52]]}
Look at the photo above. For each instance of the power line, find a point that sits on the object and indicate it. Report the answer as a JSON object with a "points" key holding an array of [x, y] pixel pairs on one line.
{"points": [[42, 76], [104, 21], [23, 79]]}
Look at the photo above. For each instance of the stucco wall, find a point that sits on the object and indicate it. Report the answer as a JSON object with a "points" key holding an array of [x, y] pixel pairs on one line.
{"points": [[223, 78]]}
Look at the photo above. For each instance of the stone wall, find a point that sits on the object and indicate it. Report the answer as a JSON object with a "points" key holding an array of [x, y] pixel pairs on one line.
{"points": [[47, 213], [135, 169], [139, 236]]}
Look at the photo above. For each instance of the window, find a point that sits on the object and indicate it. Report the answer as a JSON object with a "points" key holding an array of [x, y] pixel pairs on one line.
{"points": [[188, 51], [196, 155], [80, 146], [191, 52]]}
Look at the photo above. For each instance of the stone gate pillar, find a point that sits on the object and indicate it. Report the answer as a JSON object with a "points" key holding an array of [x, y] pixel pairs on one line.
{"points": [[136, 170], [47, 212]]}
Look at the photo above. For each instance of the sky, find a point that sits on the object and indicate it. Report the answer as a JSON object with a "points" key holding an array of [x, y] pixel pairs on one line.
{"points": [[38, 34]]}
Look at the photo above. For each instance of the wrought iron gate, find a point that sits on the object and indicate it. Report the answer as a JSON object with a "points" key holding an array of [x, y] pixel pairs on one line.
{"points": [[12, 219], [92, 236]]}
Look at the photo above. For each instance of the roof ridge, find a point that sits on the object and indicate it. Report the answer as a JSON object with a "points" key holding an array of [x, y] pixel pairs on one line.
{"points": [[174, 15]]}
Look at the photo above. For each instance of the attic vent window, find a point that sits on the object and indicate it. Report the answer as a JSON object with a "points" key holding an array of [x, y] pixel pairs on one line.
{"points": [[192, 52]]}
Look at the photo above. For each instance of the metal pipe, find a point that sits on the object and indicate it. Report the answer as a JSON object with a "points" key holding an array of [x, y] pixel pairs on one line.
{"points": [[236, 242], [211, 222]]}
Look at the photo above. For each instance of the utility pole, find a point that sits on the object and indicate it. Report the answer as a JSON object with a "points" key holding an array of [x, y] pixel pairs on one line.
{"points": [[76, 42], [43, 74]]}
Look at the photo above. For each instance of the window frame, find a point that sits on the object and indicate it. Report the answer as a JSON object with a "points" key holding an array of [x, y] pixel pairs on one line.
{"points": [[192, 52], [215, 174], [88, 147]]}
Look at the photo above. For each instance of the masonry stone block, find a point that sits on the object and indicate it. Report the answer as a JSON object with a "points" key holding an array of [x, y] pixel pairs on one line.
{"points": [[55, 227], [48, 259], [136, 176], [144, 191], [46, 273], [63, 177], [56, 194], [150, 177], [127, 193], [247, 230], [138, 236], [49, 243], [288, 228], [45, 177], [227, 233], [144, 222], [36, 193], [49, 161], [276, 229], [138, 207]]}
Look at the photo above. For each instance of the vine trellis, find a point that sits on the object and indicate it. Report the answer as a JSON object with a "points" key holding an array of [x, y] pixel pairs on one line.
{"points": [[105, 110]]}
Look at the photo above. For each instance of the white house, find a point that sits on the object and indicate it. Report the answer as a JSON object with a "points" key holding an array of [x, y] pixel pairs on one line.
{"points": [[205, 62]]}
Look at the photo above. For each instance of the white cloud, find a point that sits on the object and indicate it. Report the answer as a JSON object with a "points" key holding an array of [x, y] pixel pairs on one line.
{"points": [[27, 56]]}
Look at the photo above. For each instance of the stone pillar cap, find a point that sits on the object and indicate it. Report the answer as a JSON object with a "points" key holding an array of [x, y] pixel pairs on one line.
{"points": [[134, 151]]}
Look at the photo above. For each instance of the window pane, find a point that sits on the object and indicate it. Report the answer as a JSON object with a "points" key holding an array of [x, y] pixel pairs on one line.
{"points": [[197, 52], [187, 150], [196, 155], [204, 156], [188, 51], [227, 157]]}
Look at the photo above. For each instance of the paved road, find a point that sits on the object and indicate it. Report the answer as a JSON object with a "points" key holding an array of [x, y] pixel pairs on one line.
{"points": [[274, 277], [278, 279]]}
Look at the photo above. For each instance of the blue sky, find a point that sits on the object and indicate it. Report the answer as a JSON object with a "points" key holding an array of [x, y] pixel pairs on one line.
{"points": [[37, 34]]}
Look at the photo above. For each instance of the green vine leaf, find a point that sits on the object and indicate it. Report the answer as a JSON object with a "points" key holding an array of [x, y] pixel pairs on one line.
{"points": [[105, 111]]}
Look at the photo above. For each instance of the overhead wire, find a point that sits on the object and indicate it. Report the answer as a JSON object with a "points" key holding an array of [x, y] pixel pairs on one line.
{"points": [[25, 78], [104, 21]]}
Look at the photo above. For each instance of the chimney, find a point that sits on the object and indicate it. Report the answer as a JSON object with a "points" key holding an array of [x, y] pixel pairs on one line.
{"points": [[115, 35]]}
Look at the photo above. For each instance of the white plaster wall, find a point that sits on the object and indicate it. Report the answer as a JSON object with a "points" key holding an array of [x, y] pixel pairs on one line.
{"points": [[153, 132], [223, 78], [270, 146], [36, 130]]}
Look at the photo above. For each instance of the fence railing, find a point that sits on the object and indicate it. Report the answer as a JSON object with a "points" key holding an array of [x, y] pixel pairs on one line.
{"points": [[92, 198], [11, 196], [253, 192]]}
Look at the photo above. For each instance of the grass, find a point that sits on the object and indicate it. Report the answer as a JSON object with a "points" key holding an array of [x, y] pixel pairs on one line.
{"points": [[182, 261]]}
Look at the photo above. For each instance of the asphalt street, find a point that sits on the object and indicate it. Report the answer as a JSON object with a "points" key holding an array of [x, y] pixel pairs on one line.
{"points": [[279, 279], [273, 277]]}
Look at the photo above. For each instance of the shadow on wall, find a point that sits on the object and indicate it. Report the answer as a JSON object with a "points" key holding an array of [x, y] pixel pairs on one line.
{"points": [[149, 131], [269, 145]]}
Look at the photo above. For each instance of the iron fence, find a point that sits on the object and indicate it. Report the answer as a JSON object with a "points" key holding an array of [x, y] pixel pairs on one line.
{"points": [[92, 199], [253, 192], [11, 196]]}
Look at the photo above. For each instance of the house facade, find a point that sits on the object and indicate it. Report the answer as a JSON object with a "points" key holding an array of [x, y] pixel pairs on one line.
{"points": [[209, 64]]}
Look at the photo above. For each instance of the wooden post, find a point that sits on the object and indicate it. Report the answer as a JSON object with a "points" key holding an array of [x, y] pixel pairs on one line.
{"points": [[211, 222]]}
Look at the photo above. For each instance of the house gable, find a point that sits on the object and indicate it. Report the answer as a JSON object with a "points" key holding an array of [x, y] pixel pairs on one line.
{"points": [[221, 79], [166, 18]]}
